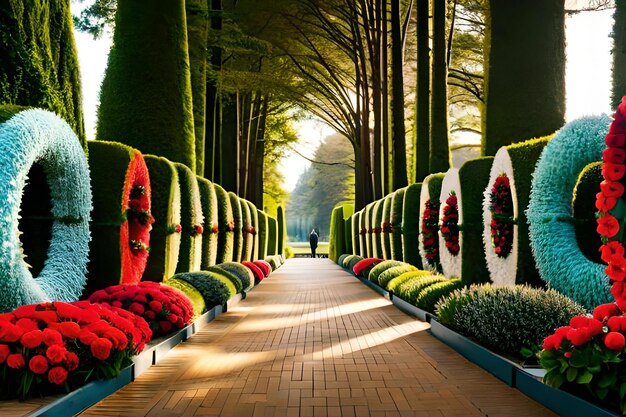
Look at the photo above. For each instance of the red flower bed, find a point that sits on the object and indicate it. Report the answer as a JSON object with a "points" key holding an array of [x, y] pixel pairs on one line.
{"points": [[360, 266], [501, 208], [265, 267], [135, 230], [256, 271], [166, 309], [50, 347], [430, 237], [450, 224]]}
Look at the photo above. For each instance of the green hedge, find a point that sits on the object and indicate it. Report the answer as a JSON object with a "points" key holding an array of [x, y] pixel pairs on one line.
{"points": [[108, 165], [410, 289], [281, 223], [355, 233], [351, 261], [164, 241], [190, 256], [391, 273], [145, 98], [369, 226], [248, 238], [272, 236], [396, 224], [377, 234], [348, 211], [262, 234], [238, 242], [244, 274], [225, 221], [382, 267], [254, 217], [410, 225], [336, 245], [216, 289], [584, 211], [362, 233], [342, 258], [196, 298], [386, 226], [234, 278], [395, 283], [208, 198], [346, 261], [429, 296]]}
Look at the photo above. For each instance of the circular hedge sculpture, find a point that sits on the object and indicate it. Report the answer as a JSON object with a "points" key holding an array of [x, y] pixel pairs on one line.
{"points": [[226, 226], [246, 231], [192, 220], [584, 211], [386, 226], [122, 217], [552, 235], [514, 165], [40, 136], [208, 199], [262, 234], [165, 234], [396, 224], [238, 231], [410, 225], [429, 222]]}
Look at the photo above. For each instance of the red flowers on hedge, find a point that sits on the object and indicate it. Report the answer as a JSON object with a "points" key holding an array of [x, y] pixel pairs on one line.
{"points": [[164, 308], [450, 224], [430, 237], [501, 208]]}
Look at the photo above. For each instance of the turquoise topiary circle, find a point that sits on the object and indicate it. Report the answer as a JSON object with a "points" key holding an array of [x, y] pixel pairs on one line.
{"points": [[38, 136], [559, 259]]}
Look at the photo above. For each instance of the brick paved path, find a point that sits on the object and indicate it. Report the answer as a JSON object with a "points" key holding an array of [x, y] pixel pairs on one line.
{"points": [[313, 341]]}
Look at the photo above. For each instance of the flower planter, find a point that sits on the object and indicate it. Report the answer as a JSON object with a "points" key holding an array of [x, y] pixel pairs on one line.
{"points": [[411, 309], [561, 402], [84, 397], [234, 301], [495, 364], [376, 288]]}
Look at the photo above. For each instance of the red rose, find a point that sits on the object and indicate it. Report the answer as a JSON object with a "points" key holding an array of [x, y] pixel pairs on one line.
{"points": [[172, 318], [614, 341], [618, 290], [612, 188], [71, 361], [136, 308], [86, 337], [57, 375], [617, 268], [32, 339], [38, 364], [15, 361], [156, 306], [149, 314], [52, 337], [69, 329], [4, 352], [552, 342], [611, 249], [101, 348], [451, 200], [605, 311], [613, 172], [56, 353], [607, 225], [10, 332], [27, 324], [165, 326], [614, 155], [604, 203]]}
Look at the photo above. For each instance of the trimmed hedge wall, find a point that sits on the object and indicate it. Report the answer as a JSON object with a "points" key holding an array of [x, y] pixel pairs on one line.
{"points": [[410, 225], [584, 211], [192, 221], [208, 198], [386, 226], [395, 283], [396, 224], [348, 211], [272, 235], [281, 223], [254, 220], [262, 235], [164, 240], [238, 242], [225, 225], [246, 229], [355, 234], [336, 245], [427, 299], [377, 235], [363, 247]]}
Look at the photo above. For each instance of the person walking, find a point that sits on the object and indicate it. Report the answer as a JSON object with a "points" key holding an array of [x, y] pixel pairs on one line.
{"points": [[313, 237]]}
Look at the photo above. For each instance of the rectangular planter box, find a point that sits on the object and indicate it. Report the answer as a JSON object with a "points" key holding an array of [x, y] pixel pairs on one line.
{"points": [[84, 397], [378, 289], [561, 402], [411, 309], [234, 301], [142, 362], [495, 364]]}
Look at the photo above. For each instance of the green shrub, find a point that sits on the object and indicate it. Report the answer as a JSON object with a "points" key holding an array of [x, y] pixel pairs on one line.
{"points": [[248, 238], [244, 274], [410, 289], [396, 224], [377, 233], [584, 211], [254, 221], [351, 261], [232, 277], [355, 234], [336, 240], [382, 267], [208, 199], [369, 226], [199, 307], [272, 236], [346, 261], [341, 259], [281, 230], [401, 279], [386, 226], [190, 256], [507, 319], [238, 231], [274, 262], [391, 273], [216, 289], [348, 211], [410, 225], [429, 296], [226, 224], [289, 252], [262, 235]]}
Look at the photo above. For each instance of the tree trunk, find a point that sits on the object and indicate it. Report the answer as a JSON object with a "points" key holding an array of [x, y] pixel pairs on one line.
{"points": [[213, 110], [439, 149], [524, 71], [229, 146], [421, 130], [387, 179], [619, 53], [399, 174]]}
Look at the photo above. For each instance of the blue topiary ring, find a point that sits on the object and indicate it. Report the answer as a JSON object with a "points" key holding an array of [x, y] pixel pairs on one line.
{"points": [[552, 235], [40, 136]]}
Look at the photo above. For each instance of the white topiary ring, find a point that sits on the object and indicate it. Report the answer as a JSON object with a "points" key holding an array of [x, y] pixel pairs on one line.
{"points": [[502, 270], [450, 264], [39, 136]]}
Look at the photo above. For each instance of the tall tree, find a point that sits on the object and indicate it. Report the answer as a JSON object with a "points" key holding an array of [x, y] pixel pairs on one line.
{"points": [[213, 119], [421, 130], [399, 169], [524, 71], [619, 53], [145, 100]]}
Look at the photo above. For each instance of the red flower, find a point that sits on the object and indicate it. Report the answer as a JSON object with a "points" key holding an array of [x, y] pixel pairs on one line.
{"points": [[607, 225], [156, 306], [618, 290], [71, 361], [614, 155], [149, 314], [172, 318], [615, 140], [38, 364], [136, 308], [215, 228], [198, 230], [69, 329], [27, 324], [56, 353], [178, 228], [32, 339], [87, 337], [552, 342], [611, 249], [57, 375], [614, 341], [4, 352], [52, 337], [605, 311], [10, 332], [616, 270], [165, 326], [101, 348], [616, 323], [567, 355], [612, 188], [579, 336], [451, 200], [604, 203], [15, 361], [613, 172]]}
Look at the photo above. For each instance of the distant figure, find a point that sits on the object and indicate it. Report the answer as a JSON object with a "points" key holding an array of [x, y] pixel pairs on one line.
{"points": [[313, 242]]}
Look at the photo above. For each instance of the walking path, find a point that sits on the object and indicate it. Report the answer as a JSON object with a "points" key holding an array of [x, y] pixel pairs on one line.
{"points": [[313, 341]]}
